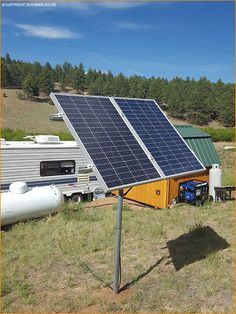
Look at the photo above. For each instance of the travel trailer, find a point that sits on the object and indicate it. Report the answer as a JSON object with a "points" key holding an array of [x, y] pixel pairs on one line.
{"points": [[46, 160]]}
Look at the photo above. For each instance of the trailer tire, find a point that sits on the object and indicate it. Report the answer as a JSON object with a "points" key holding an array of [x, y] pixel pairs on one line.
{"points": [[76, 198]]}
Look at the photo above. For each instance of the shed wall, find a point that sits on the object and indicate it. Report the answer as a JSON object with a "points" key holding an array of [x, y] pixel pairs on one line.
{"points": [[153, 194], [161, 193]]}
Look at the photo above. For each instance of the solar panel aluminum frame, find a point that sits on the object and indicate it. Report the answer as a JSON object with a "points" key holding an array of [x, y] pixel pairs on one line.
{"points": [[84, 150], [144, 146]]}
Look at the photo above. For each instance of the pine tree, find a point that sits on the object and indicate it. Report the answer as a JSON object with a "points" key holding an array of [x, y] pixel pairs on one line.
{"points": [[79, 78], [46, 84], [121, 86], [134, 83], [30, 86], [98, 87], [109, 88], [58, 73], [48, 66], [143, 88], [8, 58], [176, 98], [91, 77], [227, 113], [6, 75], [68, 73], [36, 69], [200, 102]]}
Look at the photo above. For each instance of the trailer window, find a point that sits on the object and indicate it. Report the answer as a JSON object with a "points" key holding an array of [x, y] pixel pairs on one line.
{"points": [[55, 168]]}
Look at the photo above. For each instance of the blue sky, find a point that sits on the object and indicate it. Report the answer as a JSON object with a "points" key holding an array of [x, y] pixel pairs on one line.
{"points": [[151, 39]]}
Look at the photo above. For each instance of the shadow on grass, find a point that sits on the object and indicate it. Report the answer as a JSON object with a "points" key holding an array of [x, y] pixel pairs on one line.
{"points": [[194, 246], [87, 269], [139, 277]]}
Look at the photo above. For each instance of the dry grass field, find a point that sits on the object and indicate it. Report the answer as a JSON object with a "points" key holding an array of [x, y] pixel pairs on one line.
{"points": [[32, 116], [178, 259]]}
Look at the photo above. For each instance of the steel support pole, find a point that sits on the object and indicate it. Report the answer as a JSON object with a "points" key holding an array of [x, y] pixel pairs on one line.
{"points": [[118, 239]]}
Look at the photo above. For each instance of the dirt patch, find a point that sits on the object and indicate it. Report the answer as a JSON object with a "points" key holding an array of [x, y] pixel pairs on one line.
{"points": [[108, 294], [111, 201]]}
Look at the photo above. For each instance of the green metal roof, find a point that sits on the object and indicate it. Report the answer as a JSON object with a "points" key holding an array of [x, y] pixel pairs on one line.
{"points": [[201, 143], [188, 131]]}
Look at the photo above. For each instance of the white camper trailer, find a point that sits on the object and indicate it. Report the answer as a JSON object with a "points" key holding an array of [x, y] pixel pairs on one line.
{"points": [[46, 160]]}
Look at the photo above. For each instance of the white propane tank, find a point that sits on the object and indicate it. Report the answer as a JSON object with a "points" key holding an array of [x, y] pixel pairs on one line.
{"points": [[215, 175], [18, 187], [21, 204]]}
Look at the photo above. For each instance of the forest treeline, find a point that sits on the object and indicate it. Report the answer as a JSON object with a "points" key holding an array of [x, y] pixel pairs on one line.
{"points": [[196, 101]]}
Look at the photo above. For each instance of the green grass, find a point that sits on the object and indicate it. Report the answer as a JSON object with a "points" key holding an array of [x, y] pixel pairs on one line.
{"points": [[218, 135], [221, 135], [65, 262], [227, 164], [228, 178], [18, 135]]}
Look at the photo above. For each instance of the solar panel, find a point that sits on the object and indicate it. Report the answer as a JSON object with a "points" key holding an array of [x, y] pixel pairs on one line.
{"points": [[159, 136], [107, 142]]}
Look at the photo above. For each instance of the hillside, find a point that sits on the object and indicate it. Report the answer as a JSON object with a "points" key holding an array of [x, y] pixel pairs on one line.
{"points": [[28, 115], [33, 116], [196, 101]]}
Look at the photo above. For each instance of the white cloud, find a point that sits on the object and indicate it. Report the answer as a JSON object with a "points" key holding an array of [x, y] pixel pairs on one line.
{"points": [[133, 26], [52, 32]]}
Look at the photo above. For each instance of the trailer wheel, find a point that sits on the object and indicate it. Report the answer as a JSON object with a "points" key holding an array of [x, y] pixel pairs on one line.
{"points": [[76, 198]]}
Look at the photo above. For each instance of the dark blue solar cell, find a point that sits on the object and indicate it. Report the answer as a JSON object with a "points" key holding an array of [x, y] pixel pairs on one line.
{"points": [[108, 141], [166, 146]]}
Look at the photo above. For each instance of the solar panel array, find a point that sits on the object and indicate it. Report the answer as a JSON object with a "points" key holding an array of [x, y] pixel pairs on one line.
{"points": [[121, 150], [159, 136], [113, 149]]}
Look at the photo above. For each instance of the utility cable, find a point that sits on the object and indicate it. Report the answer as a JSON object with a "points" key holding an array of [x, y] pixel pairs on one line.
{"points": [[96, 50], [117, 28]]}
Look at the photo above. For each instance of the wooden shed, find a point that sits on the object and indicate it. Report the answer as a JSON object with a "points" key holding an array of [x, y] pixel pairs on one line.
{"points": [[160, 194]]}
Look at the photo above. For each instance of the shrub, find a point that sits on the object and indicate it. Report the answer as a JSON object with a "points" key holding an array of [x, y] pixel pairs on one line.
{"points": [[50, 102], [21, 96]]}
